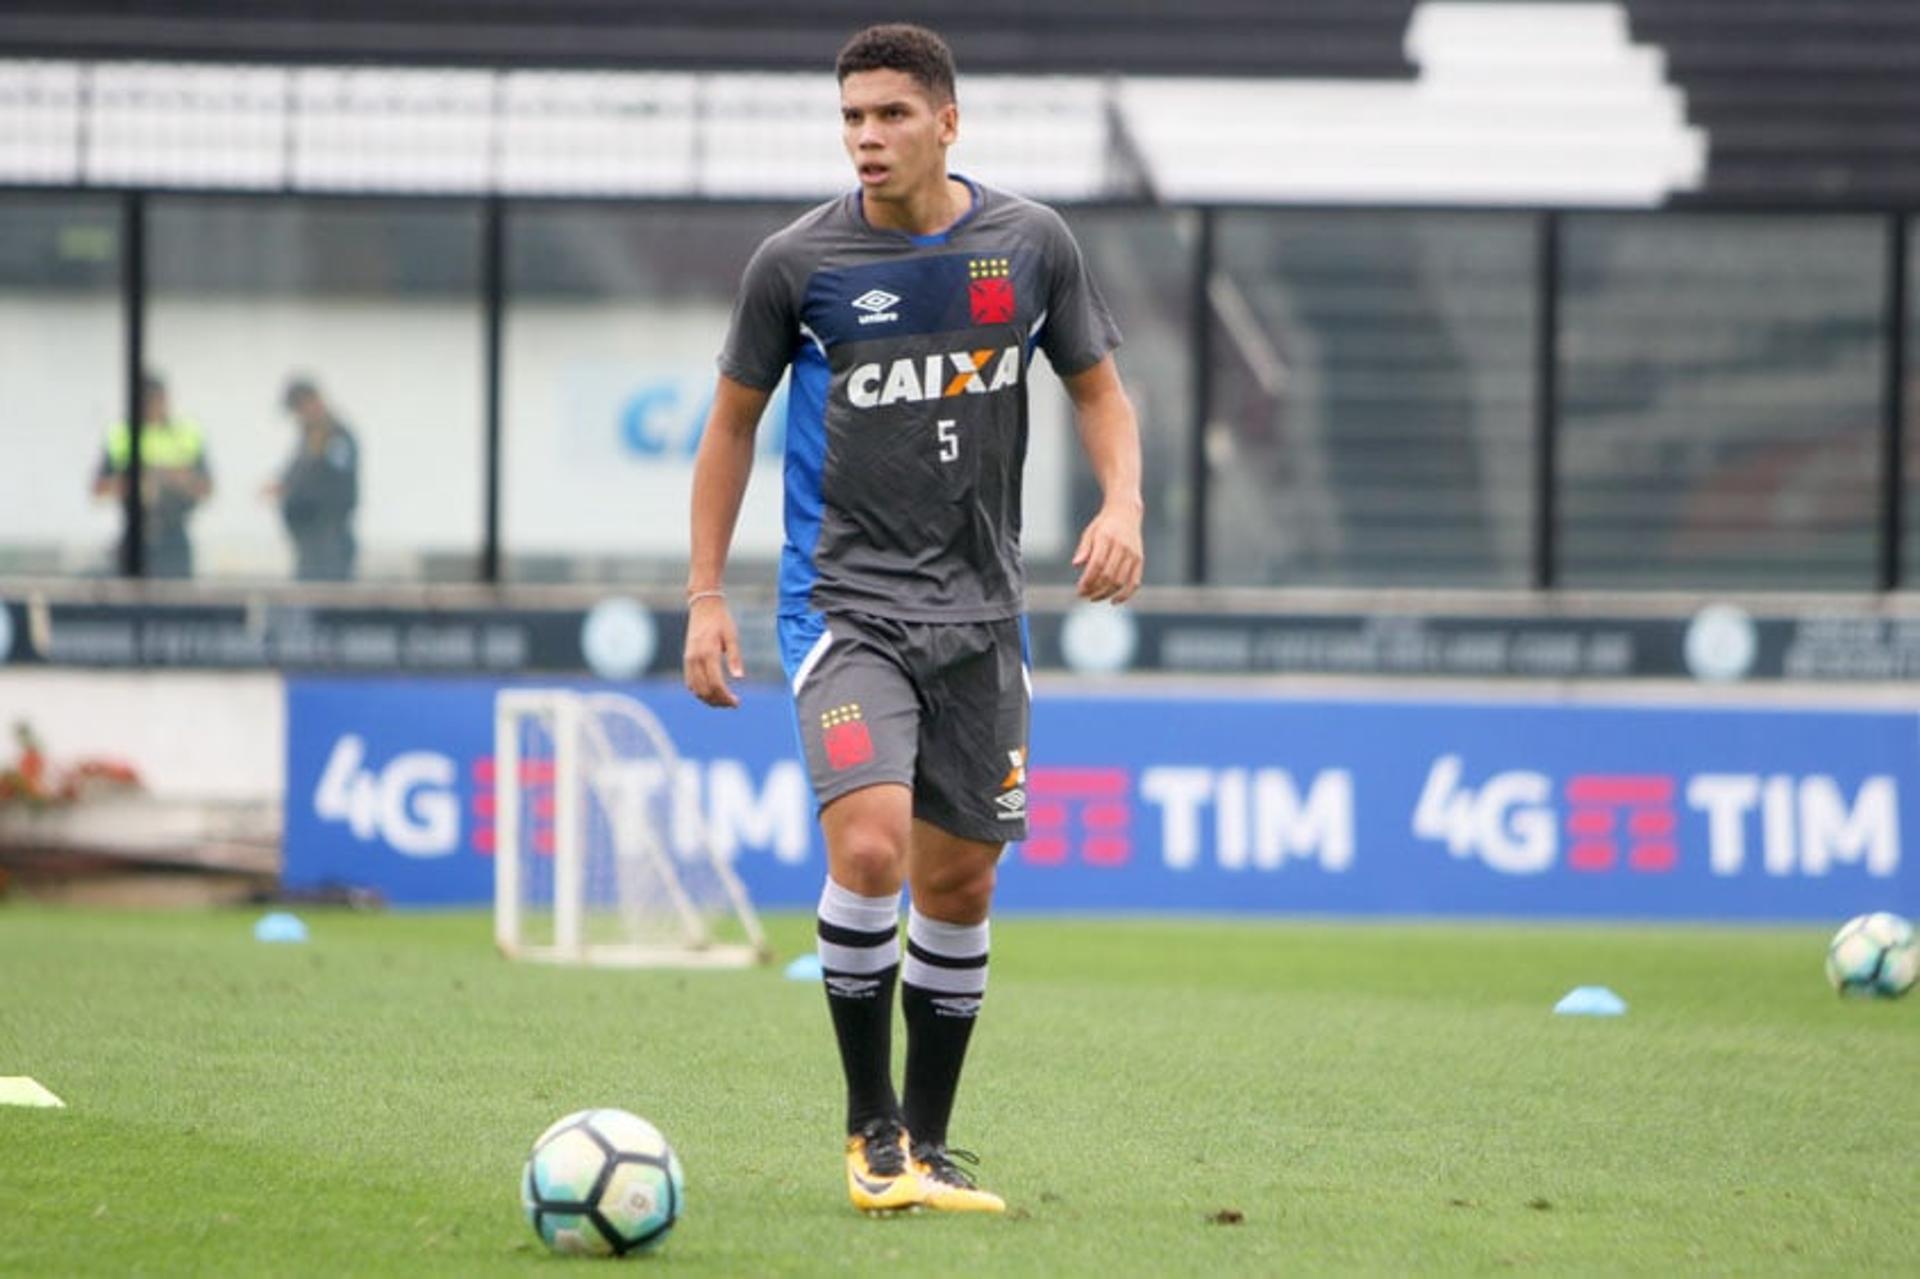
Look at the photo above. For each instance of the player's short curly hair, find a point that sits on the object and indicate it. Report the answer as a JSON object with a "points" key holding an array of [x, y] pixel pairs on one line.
{"points": [[901, 46]]}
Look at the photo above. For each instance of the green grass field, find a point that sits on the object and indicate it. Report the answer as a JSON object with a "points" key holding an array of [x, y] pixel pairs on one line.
{"points": [[1368, 1098]]}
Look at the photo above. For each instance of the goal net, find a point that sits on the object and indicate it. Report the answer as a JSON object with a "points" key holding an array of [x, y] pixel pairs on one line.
{"points": [[601, 854]]}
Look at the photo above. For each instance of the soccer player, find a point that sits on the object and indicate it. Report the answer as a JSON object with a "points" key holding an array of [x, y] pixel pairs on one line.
{"points": [[908, 311]]}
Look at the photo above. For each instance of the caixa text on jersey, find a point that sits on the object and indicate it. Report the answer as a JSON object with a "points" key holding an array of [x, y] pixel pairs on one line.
{"points": [[933, 377]]}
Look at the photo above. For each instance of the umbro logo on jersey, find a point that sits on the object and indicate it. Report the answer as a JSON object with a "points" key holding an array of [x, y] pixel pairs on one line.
{"points": [[934, 377], [878, 305]]}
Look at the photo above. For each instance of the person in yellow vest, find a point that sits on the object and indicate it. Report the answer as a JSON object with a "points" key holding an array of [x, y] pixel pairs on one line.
{"points": [[174, 477]]}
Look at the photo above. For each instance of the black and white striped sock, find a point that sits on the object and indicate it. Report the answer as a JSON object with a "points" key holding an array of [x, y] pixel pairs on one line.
{"points": [[859, 947], [942, 982]]}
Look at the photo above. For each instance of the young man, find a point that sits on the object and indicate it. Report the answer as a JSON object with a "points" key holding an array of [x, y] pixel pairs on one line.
{"points": [[909, 310]]}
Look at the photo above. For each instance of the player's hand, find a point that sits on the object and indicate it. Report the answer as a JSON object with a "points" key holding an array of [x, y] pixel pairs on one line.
{"points": [[713, 652], [1111, 555]]}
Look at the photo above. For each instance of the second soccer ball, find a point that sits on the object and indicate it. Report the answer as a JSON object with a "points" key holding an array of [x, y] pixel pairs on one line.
{"points": [[1874, 955]]}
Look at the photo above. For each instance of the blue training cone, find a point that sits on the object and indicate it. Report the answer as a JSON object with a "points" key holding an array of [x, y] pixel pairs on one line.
{"points": [[280, 927], [804, 968], [1590, 1001]]}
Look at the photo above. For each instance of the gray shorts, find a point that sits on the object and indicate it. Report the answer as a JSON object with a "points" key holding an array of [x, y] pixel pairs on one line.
{"points": [[940, 707]]}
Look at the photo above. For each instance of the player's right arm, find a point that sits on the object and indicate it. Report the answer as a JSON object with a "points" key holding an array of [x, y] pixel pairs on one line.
{"points": [[720, 472]]}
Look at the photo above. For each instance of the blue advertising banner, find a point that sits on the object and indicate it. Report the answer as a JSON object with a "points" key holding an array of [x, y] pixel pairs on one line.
{"points": [[1208, 803]]}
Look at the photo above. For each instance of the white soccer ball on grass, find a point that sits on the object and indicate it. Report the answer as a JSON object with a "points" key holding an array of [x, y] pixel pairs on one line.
{"points": [[1874, 955], [602, 1183]]}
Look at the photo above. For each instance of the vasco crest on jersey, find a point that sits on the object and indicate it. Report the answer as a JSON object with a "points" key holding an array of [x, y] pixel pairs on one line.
{"points": [[990, 296]]}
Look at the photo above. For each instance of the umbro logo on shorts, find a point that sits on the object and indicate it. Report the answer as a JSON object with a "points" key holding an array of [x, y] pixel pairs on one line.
{"points": [[1012, 799], [878, 305]]}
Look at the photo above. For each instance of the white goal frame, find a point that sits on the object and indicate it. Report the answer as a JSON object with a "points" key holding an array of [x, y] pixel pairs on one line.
{"points": [[569, 716]]}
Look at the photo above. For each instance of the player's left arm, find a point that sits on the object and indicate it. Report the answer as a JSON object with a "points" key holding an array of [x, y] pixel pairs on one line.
{"points": [[1111, 554]]}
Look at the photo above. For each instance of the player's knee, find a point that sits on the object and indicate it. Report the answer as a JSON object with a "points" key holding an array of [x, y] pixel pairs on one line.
{"points": [[956, 894], [868, 857]]}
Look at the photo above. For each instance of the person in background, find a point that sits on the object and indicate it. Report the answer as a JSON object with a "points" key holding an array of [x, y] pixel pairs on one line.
{"points": [[319, 487], [174, 477]]}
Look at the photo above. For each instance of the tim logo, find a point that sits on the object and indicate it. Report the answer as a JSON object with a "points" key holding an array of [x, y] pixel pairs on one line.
{"points": [[1797, 825], [1236, 819], [878, 305], [536, 784], [1084, 811], [1609, 814], [990, 297]]}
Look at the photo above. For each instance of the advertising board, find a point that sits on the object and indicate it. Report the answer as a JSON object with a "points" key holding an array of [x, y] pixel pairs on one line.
{"points": [[1210, 803]]}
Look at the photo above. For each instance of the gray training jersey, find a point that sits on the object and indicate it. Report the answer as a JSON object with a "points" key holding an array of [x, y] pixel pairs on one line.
{"points": [[907, 413]]}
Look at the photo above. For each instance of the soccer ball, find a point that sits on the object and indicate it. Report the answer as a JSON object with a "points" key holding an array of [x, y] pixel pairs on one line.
{"points": [[1874, 955], [603, 1183]]}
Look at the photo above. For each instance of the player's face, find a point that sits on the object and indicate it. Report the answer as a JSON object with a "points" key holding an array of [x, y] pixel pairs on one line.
{"points": [[895, 135]]}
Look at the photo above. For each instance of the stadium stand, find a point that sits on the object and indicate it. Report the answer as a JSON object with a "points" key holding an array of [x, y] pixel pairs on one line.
{"points": [[1805, 100], [1513, 103], [1230, 37], [1721, 392], [1797, 101], [1389, 440]]}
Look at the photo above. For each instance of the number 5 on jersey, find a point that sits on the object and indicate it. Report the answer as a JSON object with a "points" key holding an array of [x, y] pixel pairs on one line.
{"points": [[947, 429]]}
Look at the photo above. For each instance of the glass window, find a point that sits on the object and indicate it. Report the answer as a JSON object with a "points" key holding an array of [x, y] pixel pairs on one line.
{"points": [[616, 316], [1910, 551], [1372, 399], [1142, 262], [615, 319], [327, 354], [62, 363], [1720, 401]]}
